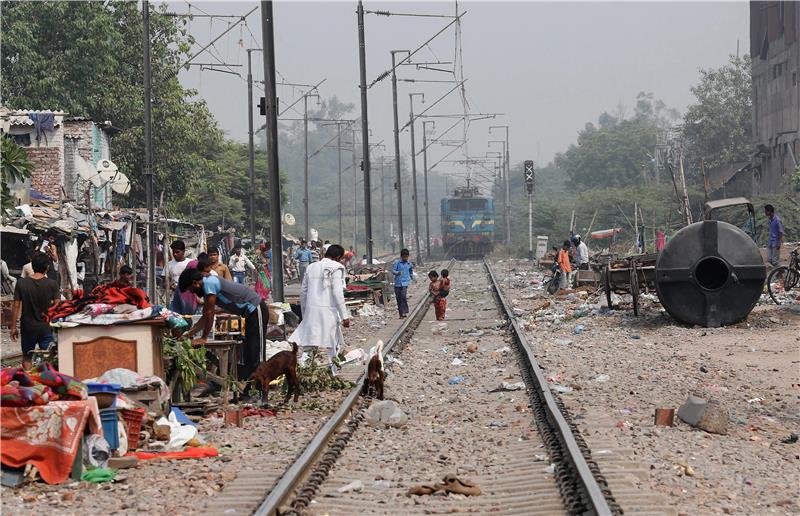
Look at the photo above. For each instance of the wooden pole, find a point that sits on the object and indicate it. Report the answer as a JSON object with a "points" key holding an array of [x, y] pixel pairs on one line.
{"points": [[591, 223]]}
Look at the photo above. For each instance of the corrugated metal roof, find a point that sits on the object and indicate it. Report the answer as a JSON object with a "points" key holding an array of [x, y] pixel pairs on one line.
{"points": [[17, 117]]}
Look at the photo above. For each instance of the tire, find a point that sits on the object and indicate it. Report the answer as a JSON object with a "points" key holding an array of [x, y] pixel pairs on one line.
{"points": [[552, 285], [607, 285], [779, 281]]}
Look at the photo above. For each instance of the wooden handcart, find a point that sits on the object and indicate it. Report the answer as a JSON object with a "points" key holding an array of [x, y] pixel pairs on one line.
{"points": [[630, 275]]}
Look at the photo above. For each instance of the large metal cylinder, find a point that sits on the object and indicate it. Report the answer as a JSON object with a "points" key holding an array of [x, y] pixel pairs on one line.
{"points": [[711, 273]]}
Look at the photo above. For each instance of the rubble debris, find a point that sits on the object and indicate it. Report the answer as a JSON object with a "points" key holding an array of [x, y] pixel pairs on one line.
{"points": [[706, 415], [355, 486], [386, 413]]}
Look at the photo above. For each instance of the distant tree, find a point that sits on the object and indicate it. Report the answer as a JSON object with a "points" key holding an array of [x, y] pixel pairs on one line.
{"points": [[718, 127], [86, 58], [618, 152], [15, 166]]}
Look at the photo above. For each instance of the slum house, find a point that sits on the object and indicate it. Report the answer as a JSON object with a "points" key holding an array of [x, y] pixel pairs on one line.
{"points": [[64, 151], [775, 56]]}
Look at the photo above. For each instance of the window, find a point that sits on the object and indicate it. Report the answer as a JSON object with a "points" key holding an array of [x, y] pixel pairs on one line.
{"points": [[467, 204]]}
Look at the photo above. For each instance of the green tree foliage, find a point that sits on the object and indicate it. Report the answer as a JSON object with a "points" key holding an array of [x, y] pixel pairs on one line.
{"points": [[617, 152], [222, 199], [718, 127], [15, 166], [86, 58]]}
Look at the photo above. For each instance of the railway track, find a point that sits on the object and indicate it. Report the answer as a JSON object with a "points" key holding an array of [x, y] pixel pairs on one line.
{"points": [[517, 446]]}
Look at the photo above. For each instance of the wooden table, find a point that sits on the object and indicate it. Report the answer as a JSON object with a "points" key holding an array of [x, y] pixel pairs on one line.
{"points": [[87, 351]]}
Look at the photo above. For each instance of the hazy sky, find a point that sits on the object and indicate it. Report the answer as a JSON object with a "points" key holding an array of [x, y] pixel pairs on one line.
{"points": [[549, 67]]}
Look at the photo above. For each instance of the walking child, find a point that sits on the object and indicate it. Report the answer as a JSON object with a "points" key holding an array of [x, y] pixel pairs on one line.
{"points": [[444, 290], [433, 288]]}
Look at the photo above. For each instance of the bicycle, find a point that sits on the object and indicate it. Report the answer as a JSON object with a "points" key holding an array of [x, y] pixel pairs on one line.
{"points": [[552, 285], [784, 278]]}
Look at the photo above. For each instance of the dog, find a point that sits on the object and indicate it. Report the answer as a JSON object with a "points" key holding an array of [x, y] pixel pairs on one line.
{"points": [[375, 375], [282, 363]]}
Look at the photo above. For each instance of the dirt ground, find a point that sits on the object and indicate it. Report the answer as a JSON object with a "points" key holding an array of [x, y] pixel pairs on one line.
{"points": [[624, 367], [187, 486]]}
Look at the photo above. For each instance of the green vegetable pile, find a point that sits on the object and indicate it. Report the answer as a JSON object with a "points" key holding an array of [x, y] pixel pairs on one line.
{"points": [[316, 377], [187, 359]]}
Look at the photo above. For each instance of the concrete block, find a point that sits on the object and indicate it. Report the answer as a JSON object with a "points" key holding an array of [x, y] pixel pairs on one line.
{"points": [[692, 410], [705, 415]]}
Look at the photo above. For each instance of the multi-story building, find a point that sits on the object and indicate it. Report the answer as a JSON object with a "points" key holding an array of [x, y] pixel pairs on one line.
{"points": [[775, 55]]}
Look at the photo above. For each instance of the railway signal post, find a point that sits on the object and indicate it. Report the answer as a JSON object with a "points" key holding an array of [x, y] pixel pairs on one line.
{"points": [[530, 181]]}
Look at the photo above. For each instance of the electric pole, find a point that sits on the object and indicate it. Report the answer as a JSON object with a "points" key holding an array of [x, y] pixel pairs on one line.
{"points": [[398, 178], [414, 196], [362, 60], [425, 173], [148, 154], [339, 148], [271, 103], [507, 196], [305, 159], [250, 151]]}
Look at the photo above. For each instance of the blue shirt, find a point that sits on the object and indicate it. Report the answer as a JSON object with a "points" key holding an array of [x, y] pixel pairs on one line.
{"points": [[232, 297], [775, 230], [303, 255], [405, 269]]}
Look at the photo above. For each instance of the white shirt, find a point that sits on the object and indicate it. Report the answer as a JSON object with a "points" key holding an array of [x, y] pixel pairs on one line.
{"points": [[174, 270], [582, 254], [239, 263]]}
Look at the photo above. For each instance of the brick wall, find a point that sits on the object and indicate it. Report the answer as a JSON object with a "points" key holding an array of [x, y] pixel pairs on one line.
{"points": [[47, 169]]}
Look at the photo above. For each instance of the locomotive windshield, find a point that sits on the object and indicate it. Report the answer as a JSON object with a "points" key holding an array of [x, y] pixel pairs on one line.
{"points": [[467, 204]]}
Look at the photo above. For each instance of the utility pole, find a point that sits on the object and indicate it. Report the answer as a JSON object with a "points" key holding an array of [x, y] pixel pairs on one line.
{"points": [[148, 154], [339, 148], [398, 178], [271, 101], [507, 196], [305, 160], [355, 193], [250, 151], [425, 173], [383, 200], [362, 60], [414, 196]]}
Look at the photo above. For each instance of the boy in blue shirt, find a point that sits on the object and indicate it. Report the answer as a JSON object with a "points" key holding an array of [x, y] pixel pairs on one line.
{"points": [[403, 271]]}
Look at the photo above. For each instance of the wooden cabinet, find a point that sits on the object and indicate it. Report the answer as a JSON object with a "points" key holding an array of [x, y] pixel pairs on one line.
{"points": [[88, 351]]}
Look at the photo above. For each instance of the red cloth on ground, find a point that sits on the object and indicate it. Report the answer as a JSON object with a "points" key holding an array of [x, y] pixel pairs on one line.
{"points": [[196, 452], [440, 307], [47, 436]]}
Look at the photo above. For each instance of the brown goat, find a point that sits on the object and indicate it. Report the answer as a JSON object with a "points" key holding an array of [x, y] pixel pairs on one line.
{"points": [[282, 363]]}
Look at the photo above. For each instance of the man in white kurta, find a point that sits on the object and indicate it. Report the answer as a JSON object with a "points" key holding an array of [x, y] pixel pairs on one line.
{"points": [[322, 305]]}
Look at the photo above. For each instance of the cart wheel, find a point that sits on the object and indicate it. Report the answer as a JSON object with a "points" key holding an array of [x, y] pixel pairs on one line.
{"points": [[607, 284], [635, 289]]}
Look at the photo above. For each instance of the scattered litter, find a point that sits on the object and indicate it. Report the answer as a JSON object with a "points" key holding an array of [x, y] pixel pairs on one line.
{"points": [[498, 424], [472, 347], [356, 486], [790, 439], [440, 329], [578, 329], [755, 400], [561, 388], [603, 378], [390, 360], [636, 337], [370, 311], [455, 380], [505, 386], [457, 362], [540, 457], [386, 412], [504, 349], [551, 469], [445, 349], [684, 469], [98, 475], [563, 342]]}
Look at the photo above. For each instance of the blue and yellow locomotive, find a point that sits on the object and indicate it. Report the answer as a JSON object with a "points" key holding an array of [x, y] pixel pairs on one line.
{"points": [[467, 223]]}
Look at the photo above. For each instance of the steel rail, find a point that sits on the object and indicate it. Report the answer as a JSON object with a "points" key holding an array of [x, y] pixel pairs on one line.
{"points": [[591, 489], [294, 475]]}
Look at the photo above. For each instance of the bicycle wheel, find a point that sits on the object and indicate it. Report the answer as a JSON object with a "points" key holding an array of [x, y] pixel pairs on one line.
{"points": [[779, 282], [792, 278], [552, 285]]}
